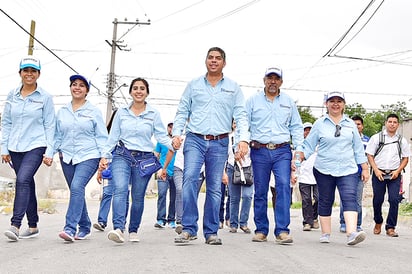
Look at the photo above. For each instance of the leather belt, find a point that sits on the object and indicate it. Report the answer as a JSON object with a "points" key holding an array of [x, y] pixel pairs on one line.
{"points": [[257, 145], [209, 137], [387, 171]]}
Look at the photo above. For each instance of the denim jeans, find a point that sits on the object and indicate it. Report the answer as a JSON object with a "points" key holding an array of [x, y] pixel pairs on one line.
{"points": [[125, 170], [214, 155], [26, 165], [162, 187], [77, 177], [265, 161], [222, 216], [237, 192], [359, 197], [178, 180], [347, 186], [379, 190], [106, 203], [310, 199]]}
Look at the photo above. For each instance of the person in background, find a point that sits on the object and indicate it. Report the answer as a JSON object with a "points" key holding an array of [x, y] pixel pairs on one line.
{"points": [[132, 129], [165, 184], [387, 161], [224, 218], [336, 139], [106, 199], [28, 125], [365, 139], [206, 109], [270, 137], [238, 219], [178, 180], [79, 139], [308, 188]]}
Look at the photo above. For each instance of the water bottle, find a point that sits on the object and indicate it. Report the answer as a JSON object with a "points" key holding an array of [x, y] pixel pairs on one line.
{"points": [[297, 164]]}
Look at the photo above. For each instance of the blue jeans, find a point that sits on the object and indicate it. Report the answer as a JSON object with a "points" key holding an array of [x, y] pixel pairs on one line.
{"points": [[124, 171], [265, 161], [379, 190], [347, 187], [359, 197], [178, 180], [77, 177], [237, 192], [26, 165], [214, 155], [223, 205], [162, 187], [106, 202]]}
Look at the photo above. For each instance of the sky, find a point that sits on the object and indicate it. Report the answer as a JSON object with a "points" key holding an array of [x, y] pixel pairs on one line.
{"points": [[371, 64]]}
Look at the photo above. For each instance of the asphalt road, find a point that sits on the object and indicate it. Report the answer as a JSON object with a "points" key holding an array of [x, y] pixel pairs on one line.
{"points": [[157, 253]]}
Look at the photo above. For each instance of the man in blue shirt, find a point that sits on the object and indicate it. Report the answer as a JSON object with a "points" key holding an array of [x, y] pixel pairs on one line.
{"points": [[274, 119], [365, 139], [206, 109], [165, 184]]}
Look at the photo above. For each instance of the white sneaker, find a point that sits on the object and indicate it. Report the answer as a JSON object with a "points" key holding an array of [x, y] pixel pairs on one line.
{"points": [[116, 236], [133, 237], [324, 238], [356, 237]]}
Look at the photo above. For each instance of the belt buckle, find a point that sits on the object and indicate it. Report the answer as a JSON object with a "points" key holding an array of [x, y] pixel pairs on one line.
{"points": [[270, 146], [207, 137]]}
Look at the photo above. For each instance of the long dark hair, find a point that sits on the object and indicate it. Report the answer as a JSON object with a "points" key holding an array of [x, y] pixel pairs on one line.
{"points": [[139, 79]]}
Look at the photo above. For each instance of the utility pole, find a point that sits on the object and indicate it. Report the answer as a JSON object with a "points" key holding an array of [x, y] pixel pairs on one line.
{"points": [[112, 77], [31, 40]]}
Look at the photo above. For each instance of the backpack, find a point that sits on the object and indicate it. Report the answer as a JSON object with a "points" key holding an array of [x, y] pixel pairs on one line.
{"points": [[382, 144]]}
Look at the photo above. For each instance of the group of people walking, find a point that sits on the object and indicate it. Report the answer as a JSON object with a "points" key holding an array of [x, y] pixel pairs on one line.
{"points": [[215, 128]]}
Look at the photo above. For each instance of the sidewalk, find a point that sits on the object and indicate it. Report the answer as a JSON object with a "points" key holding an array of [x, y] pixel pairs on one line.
{"points": [[157, 253]]}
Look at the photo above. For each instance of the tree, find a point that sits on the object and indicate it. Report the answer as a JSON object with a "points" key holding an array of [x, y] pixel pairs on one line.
{"points": [[306, 114]]}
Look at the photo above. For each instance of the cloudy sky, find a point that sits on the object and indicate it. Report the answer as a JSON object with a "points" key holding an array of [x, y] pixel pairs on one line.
{"points": [[371, 64]]}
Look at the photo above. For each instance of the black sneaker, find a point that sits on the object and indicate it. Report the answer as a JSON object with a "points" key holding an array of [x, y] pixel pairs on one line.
{"points": [[99, 226]]}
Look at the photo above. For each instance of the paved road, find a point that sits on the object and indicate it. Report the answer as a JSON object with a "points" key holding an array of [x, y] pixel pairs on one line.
{"points": [[156, 252]]}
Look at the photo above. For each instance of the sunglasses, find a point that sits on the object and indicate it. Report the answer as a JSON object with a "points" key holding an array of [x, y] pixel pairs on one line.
{"points": [[337, 132]]}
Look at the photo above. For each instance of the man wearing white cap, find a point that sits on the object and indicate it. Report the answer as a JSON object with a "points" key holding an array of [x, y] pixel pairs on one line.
{"points": [[273, 119]]}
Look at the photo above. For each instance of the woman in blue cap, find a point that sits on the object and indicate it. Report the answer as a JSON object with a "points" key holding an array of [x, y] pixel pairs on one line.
{"points": [[80, 136], [28, 123]]}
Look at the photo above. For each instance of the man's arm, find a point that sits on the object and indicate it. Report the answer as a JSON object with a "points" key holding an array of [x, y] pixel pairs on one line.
{"points": [[169, 157]]}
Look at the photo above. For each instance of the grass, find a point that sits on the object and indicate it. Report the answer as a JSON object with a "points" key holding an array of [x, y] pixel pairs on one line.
{"points": [[405, 209], [7, 199]]}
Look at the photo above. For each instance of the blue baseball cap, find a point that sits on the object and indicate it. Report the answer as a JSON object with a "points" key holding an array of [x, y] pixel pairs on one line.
{"points": [[80, 77], [30, 62]]}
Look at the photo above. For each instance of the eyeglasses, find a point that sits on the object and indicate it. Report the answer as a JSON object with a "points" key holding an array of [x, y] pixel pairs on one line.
{"points": [[337, 132]]}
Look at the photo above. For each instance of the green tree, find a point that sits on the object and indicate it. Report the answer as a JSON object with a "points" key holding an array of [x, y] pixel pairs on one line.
{"points": [[355, 109], [306, 114]]}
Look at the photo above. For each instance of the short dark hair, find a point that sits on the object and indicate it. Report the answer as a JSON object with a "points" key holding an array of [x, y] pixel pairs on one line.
{"points": [[139, 79], [221, 51], [357, 118], [392, 115]]}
